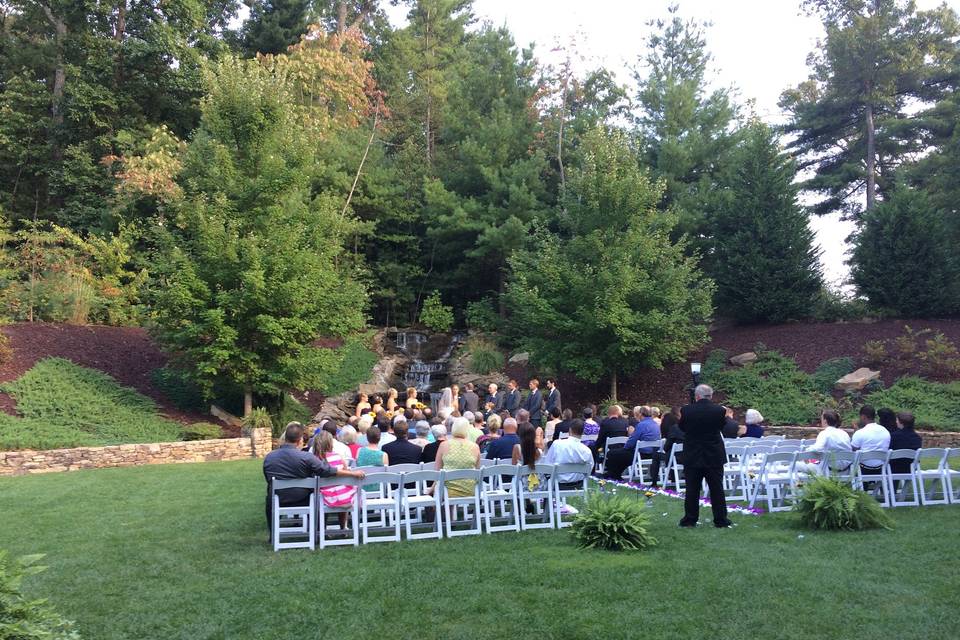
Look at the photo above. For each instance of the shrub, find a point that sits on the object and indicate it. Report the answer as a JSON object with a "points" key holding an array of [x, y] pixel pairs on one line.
{"points": [[6, 352], [176, 385], [23, 618], [484, 356], [715, 363], [875, 352], [482, 315], [829, 372], [614, 523], [259, 418], [933, 404], [435, 314], [291, 410], [830, 505], [939, 358], [355, 361], [202, 431]]}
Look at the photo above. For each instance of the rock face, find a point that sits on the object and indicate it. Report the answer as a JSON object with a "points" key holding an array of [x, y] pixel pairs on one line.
{"points": [[461, 374], [520, 358], [857, 380], [743, 359]]}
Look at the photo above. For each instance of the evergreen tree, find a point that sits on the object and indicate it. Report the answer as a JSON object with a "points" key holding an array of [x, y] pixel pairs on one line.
{"points": [[880, 60], [274, 25], [611, 293], [763, 255]]}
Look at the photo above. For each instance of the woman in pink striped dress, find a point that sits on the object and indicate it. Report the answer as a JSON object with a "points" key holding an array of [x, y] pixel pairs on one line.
{"points": [[337, 495]]}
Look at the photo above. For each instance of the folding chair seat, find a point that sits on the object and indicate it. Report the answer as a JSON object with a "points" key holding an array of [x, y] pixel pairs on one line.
{"points": [[561, 508], [773, 438], [933, 482], [951, 470], [898, 483], [874, 484], [500, 495], [638, 464], [607, 446], [470, 505], [735, 480], [413, 504], [776, 480], [383, 502], [293, 522], [353, 513], [536, 496]]}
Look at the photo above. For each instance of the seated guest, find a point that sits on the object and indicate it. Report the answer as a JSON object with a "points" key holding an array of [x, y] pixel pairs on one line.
{"points": [[502, 447], [569, 450], [523, 416], [645, 430], [754, 424], [904, 438], [655, 414], [672, 418], [342, 449], [562, 429], [731, 429], [870, 436], [423, 431], [492, 433], [591, 429], [551, 426], [363, 424], [526, 451], [830, 438], [459, 453], [671, 432], [613, 426], [386, 430], [475, 431], [887, 419], [439, 433], [401, 450], [371, 455], [339, 495], [348, 436], [288, 462]]}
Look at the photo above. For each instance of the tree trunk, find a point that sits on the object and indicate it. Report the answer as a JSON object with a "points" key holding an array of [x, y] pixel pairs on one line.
{"points": [[247, 401], [341, 17], [118, 34], [59, 82], [871, 159], [501, 299], [613, 386], [429, 123]]}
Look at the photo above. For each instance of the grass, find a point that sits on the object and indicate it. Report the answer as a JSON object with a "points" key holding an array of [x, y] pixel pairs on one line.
{"points": [[65, 405], [180, 552]]}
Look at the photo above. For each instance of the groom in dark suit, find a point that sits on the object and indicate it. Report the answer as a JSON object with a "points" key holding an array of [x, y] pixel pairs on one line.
{"points": [[512, 402], [534, 403], [703, 456]]}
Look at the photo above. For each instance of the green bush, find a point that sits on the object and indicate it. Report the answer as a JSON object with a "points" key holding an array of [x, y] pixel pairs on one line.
{"points": [[5, 351], [355, 362], [715, 363], [436, 315], [614, 523], [179, 388], [484, 356], [482, 315], [934, 405], [829, 371], [259, 418], [202, 431], [66, 405], [291, 410], [21, 618], [831, 505]]}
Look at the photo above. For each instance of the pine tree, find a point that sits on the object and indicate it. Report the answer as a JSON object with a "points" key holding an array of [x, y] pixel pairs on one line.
{"points": [[274, 25], [763, 254]]}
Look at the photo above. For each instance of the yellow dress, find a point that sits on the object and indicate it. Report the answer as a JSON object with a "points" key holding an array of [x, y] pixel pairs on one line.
{"points": [[459, 456]]}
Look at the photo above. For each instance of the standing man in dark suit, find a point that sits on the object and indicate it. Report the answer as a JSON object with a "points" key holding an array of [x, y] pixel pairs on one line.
{"points": [[553, 397], [470, 399], [703, 456], [512, 403], [494, 400], [534, 403]]}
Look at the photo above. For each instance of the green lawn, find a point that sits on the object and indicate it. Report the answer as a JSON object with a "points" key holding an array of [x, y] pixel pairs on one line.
{"points": [[180, 552]]}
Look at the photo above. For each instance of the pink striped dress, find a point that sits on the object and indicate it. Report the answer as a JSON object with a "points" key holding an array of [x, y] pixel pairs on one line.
{"points": [[338, 495]]}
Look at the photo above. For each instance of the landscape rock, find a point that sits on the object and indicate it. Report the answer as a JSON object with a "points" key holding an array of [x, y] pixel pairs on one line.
{"points": [[520, 358], [744, 359], [857, 380]]}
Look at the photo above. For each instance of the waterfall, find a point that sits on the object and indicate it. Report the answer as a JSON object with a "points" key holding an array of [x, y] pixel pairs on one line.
{"points": [[426, 373]]}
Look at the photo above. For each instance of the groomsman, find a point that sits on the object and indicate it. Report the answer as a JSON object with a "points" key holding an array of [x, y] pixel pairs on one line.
{"points": [[553, 397], [534, 403], [494, 399], [512, 403]]}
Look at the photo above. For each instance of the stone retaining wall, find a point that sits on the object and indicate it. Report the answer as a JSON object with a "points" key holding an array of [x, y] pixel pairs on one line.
{"points": [[930, 438], [15, 463]]}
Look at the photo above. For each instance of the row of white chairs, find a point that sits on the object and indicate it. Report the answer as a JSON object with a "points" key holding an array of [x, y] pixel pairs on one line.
{"points": [[396, 500]]}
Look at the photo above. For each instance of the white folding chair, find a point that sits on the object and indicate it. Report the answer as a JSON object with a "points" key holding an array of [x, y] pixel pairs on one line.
{"points": [[353, 512], [385, 503], [293, 522], [561, 508], [840, 465], [898, 482], [775, 479], [621, 440], [411, 501], [467, 504], [536, 496], [863, 481], [951, 470], [935, 477], [736, 485], [500, 495], [639, 464], [773, 438], [673, 467]]}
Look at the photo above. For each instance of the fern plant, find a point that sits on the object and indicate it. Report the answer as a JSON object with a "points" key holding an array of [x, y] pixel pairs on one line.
{"points": [[831, 505], [614, 523]]}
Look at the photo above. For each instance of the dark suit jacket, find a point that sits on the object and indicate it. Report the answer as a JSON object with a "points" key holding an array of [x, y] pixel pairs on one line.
{"points": [[553, 400], [429, 453], [470, 401], [512, 403], [402, 452], [534, 404], [610, 428], [702, 424], [562, 427]]}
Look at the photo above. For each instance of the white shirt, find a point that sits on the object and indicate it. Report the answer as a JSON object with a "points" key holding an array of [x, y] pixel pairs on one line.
{"points": [[386, 438], [568, 451], [832, 439], [872, 437], [342, 450]]}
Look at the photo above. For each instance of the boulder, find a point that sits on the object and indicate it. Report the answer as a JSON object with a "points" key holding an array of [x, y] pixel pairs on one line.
{"points": [[743, 359], [857, 380], [520, 358]]}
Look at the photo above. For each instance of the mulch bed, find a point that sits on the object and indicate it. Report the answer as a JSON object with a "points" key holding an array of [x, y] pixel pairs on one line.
{"points": [[125, 353]]}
